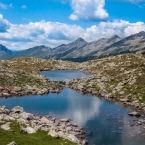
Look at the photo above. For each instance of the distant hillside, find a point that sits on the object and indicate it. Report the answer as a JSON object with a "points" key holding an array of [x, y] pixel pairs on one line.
{"points": [[80, 50], [4, 51]]}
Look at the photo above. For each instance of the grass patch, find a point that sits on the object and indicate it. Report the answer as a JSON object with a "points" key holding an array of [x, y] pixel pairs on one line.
{"points": [[39, 138]]}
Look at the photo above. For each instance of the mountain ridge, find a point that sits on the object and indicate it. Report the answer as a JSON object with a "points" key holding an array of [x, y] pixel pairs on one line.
{"points": [[80, 50]]}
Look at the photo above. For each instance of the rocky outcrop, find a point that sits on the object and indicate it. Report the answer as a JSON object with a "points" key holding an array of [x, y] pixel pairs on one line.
{"points": [[55, 127]]}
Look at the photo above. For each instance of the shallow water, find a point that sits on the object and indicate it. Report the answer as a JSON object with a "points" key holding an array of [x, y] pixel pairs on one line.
{"points": [[106, 123]]}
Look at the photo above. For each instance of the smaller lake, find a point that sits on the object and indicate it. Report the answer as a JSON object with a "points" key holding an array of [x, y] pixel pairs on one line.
{"points": [[61, 75]]}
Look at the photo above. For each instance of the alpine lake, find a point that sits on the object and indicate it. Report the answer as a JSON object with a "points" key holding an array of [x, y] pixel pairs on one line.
{"points": [[105, 123]]}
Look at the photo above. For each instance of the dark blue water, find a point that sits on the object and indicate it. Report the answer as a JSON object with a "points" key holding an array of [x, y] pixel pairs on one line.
{"points": [[106, 123], [62, 75]]}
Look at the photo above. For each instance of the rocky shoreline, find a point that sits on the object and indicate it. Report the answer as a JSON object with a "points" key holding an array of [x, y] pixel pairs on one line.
{"points": [[55, 127], [80, 86]]}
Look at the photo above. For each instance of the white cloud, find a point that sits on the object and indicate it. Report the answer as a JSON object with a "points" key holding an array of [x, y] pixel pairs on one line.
{"points": [[23, 6], [89, 10], [73, 17], [3, 6], [4, 24], [52, 34]]}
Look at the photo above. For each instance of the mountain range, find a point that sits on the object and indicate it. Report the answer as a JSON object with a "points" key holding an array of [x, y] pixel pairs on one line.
{"points": [[80, 50]]}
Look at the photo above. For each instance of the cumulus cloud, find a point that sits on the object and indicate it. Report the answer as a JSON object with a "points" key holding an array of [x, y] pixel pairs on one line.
{"points": [[88, 10], [23, 36], [73, 17], [4, 24]]}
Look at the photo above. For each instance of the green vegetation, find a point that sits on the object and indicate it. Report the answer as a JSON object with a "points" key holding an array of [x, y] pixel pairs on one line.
{"points": [[39, 138]]}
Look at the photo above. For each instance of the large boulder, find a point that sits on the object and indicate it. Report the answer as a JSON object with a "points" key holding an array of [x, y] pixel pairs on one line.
{"points": [[28, 130], [17, 89], [7, 117], [53, 134], [72, 138], [6, 126], [27, 116], [44, 120], [21, 120], [17, 109]]}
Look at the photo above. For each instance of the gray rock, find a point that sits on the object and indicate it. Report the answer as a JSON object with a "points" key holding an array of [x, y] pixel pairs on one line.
{"points": [[84, 142], [124, 100], [134, 114], [17, 89], [12, 143], [28, 130], [72, 138], [18, 109], [53, 134], [1, 117], [26, 116], [2, 122], [44, 120], [21, 120], [6, 126], [6, 94], [64, 120], [7, 117]]}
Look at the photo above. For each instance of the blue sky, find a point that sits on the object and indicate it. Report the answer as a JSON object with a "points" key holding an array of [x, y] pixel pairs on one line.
{"points": [[24, 24]]}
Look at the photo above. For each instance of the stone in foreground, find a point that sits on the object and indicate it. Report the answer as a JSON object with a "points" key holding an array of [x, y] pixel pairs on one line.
{"points": [[6, 126], [12, 143], [28, 130], [53, 134]]}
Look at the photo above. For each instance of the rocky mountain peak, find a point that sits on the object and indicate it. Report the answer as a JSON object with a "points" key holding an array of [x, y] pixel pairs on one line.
{"points": [[141, 34], [80, 40], [114, 36]]}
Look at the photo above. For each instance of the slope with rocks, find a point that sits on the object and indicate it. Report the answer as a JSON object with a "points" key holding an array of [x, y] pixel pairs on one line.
{"points": [[4, 51], [80, 50], [93, 49], [21, 76], [120, 78], [37, 51], [131, 44], [65, 51]]}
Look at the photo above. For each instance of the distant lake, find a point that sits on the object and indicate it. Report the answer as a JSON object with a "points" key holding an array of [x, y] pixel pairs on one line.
{"points": [[106, 123], [62, 75]]}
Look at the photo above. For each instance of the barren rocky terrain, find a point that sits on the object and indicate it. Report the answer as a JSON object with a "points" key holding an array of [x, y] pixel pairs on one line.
{"points": [[119, 78]]}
